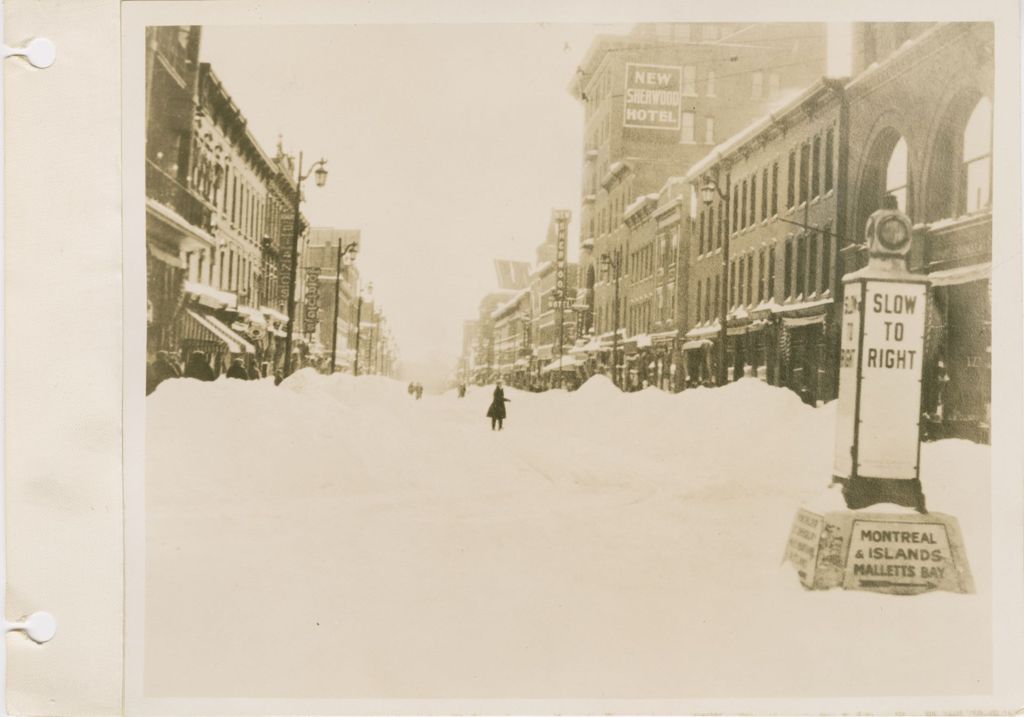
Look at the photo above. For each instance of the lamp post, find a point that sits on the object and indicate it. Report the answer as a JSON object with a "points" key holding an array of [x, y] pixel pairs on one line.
{"points": [[351, 248], [359, 319], [612, 264], [320, 174], [707, 195]]}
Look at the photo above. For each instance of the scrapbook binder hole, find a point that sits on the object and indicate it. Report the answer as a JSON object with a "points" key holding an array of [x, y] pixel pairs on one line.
{"points": [[40, 627], [40, 52]]}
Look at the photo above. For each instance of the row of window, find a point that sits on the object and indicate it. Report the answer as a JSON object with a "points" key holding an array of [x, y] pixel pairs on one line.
{"points": [[756, 198], [237, 201], [808, 265], [226, 270], [687, 132]]}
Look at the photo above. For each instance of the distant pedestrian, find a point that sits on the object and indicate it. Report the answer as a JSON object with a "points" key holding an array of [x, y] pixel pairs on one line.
{"points": [[419, 391], [160, 370], [496, 412], [197, 367], [412, 388], [462, 390], [237, 370]]}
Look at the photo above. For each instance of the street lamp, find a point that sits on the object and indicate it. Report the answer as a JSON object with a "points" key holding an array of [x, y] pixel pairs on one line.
{"points": [[707, 195], [320, 172], [612, 264], [351, 249]]}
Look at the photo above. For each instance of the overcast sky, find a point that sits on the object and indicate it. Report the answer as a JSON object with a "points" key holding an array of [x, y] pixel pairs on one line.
{"points": [[447, 145]]}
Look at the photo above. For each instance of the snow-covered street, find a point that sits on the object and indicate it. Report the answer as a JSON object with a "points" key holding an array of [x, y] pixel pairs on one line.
{"points": [[334, 537]]}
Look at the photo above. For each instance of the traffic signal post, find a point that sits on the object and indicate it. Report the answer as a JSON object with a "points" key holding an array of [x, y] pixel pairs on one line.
{"points": [[876, 462]]}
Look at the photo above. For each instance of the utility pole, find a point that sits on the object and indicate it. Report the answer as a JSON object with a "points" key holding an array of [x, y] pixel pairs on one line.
{"points": [[321, 179], [359, 316]]}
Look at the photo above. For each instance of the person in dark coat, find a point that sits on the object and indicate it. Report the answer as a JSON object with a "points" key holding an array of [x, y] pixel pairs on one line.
{"points": [[496, 412], [197, 367], [237, 370], [160, 370]]}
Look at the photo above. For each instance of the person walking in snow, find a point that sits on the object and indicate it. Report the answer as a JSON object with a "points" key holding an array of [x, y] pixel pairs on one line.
{"points": [[419, 391], [160, 370], [496, 412], [237, 370], [197, 367]]}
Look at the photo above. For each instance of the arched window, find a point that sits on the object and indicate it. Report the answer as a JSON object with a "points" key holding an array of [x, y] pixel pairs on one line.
{"points": [[896, 174], [977, 158]]}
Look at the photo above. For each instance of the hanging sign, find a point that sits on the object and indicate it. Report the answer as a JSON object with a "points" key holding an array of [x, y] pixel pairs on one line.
{"points": [[311, 300]]}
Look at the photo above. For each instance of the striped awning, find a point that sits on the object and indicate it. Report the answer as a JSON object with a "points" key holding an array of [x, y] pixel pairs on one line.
{"points": [[231, 336], [193, 327], [204, 327]]}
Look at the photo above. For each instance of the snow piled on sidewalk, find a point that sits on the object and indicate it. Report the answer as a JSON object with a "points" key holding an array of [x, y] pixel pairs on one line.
{"points": [[602, 545]]}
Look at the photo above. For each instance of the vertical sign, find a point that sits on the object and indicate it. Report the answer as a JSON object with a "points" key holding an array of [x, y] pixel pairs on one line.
{"points": [[311, 301], [891, 358], [653, 96], [284, 271], [849, 368], [561, 217]]}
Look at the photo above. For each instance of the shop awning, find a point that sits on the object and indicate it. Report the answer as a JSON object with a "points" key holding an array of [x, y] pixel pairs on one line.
{"points": [[236, 344], [568, 364], [274, 314], [664, 337], [194, 327], [802, 307], [792, 322], [167, 257], [253, 316], [696, 344], [208, 296], [961, 274], [702, 331]]}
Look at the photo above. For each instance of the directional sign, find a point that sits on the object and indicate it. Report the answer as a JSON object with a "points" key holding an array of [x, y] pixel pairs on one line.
{"points": [[901, 557], [890, 360]]}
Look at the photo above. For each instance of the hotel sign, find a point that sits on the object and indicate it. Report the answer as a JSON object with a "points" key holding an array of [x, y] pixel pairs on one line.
{"points": [[653, 97]]}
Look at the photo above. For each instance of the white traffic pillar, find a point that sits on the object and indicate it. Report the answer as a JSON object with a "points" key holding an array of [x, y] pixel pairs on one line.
{"points": [[878, 440]]}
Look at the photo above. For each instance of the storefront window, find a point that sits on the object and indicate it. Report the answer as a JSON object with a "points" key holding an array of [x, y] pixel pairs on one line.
{"points": [[896, 175], [977, 154]]}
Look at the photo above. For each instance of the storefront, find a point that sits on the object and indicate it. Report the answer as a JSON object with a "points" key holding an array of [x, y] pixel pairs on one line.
{"points": [[958, 355], [698, 356]]}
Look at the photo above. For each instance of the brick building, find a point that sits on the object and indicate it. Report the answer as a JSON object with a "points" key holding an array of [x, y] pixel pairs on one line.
{"points": [[717, 78], [320, 251], [914, 126]]}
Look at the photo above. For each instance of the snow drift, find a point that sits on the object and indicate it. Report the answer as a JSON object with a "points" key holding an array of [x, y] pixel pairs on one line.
{"points": [[602, 545]]}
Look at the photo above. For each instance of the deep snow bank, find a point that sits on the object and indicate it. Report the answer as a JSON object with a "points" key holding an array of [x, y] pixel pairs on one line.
{"points": [[604, 544]]}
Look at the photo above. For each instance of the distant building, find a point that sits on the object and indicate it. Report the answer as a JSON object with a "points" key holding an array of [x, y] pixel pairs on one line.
{"points": [[320, 251], [484, 356], [655, 101]]}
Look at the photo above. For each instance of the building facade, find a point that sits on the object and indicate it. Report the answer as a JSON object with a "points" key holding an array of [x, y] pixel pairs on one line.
{"points": [[711, 80], [800, 184], [178, 221]]}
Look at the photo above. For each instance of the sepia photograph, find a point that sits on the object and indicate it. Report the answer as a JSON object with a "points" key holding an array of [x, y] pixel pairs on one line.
{"points": [[573, 364]]}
